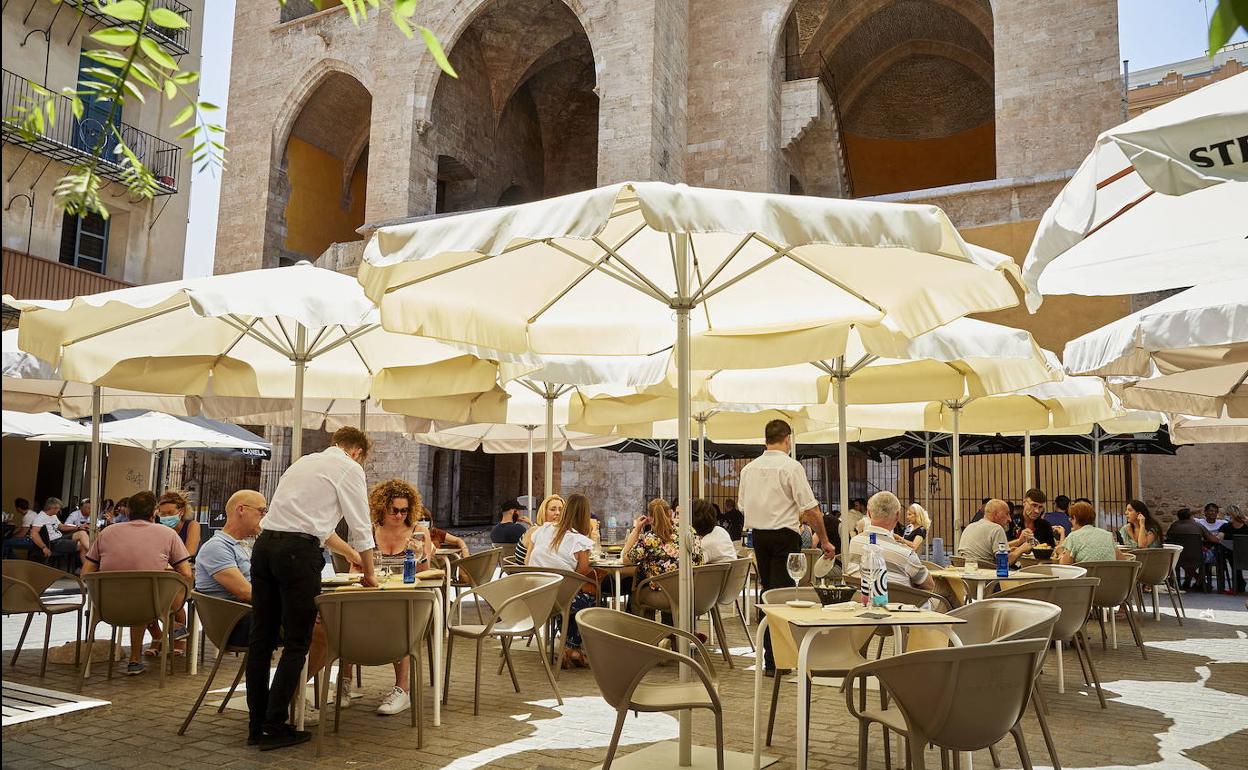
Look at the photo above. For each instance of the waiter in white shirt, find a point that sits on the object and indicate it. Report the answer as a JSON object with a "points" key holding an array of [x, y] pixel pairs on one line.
{"points": [[315, 493], [777, 500]]}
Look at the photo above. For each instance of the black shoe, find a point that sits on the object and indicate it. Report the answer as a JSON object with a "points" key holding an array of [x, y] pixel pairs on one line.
{"points": [[771, 672], [253, 739], [283, 737]]}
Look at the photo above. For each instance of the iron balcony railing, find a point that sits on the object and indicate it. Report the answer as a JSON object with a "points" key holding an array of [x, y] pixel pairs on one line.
{"points": [[176, 41], [73, 140]]}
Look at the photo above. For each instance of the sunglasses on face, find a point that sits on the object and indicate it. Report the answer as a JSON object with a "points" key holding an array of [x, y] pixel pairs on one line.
{"points": [[399, 511]]}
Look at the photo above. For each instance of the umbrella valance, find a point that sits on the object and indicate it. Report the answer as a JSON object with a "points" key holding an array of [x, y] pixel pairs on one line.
{"points": [[154, 432], [22, 424]]}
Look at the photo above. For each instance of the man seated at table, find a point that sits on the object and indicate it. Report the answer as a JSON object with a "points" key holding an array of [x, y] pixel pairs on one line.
{"points": [[904, 565], [17, 527], [223, 569], [981, 539], [511, 525], [80, 518], [51, 536]]}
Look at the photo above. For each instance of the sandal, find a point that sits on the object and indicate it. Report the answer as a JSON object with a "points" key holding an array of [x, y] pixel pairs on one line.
{"points": [[567, 662]]}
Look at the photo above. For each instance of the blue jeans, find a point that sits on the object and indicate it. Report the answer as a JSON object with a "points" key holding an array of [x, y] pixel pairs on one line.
{"points": [[17, 542], [572, 639]]}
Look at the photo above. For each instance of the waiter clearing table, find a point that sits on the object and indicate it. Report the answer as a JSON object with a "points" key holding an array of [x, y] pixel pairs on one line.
{"points": [[777, 500], [313, 495]]}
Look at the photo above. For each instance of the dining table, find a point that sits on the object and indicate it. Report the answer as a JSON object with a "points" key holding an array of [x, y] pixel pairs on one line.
{"points": [[615, 567], [795, 628], [982, 578]]}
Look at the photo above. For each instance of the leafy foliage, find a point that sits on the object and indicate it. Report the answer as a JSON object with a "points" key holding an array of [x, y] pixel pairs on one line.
{"points": [[134, 64], [1229, 17]]}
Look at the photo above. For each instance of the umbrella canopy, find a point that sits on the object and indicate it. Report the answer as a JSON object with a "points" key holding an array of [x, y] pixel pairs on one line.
{"points": [[154, 432], [326, 414], [595, 273], [1185, 429], [1216, 391], [510, 439], [1157, 205], [35, 424], [1205, 325]]}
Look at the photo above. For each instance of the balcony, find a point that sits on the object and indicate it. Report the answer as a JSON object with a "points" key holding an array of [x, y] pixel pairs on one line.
{"points": [[28, 277], [73, 141], [175, 41]]}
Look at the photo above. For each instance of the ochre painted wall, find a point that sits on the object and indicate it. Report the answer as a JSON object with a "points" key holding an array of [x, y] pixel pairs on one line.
{"points": [[881, 166], [126, 472], [315, 216], [21, 462]]}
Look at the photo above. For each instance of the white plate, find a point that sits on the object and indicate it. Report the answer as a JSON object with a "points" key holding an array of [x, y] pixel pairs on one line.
{"points": [[799, 603]]}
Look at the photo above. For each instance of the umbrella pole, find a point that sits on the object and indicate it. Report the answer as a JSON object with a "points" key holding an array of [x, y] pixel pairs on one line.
{"points": [[530, 429], [96, 491], [957, 478], [363, 414], [684, 495], [842, 457], [1096, 473], [550, 442], [1026, 460], [301, 361], [701, 418], [662, 451], [927, 471]]}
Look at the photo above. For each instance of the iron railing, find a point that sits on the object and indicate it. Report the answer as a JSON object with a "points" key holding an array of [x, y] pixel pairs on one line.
{"points": [[72, 140], [175, 41]]}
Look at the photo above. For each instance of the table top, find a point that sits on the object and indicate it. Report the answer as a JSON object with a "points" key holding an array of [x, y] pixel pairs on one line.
{"points": [[391, 583], [609, 564], [987, 574], [850, 614]]}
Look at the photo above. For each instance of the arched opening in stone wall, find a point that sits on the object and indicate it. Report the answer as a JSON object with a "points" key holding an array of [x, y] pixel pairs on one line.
{"points": [[883, 96], [521, 121], [318, 189]]}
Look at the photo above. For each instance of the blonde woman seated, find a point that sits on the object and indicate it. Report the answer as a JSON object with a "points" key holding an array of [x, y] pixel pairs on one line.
{"points": [[654, 547], [395, 507], [917, 523], [547, 513], [567, 546]]}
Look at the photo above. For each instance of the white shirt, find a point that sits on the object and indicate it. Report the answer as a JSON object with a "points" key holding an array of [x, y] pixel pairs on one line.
{"points": [[315, 492], [1212, 526], [902, 562], [773, 492], [717, 546], [53, 532], [77, 519], [543, 555]]}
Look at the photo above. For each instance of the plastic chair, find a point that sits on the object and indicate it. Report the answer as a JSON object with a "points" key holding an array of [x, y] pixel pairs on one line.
{"points": [[1064, 571], [832, 653], [1074, 597], [352, 621], [519, 607], [917, 597], [734, 585], [128, 598], [952, 588], [812, 555], [24, 584], [959, 698], [508, 551], [571, 584], [1192, 558], [475, 570], [708, 586], [1118, 579], [1154, 571], [632, 645], [1176, 553], [218, 617]]}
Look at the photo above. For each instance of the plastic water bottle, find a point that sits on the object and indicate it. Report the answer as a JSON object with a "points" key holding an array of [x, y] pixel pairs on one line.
{"points": [[875, 570], [409, 566], [938, 551], [611, 533], [749, 538], [1003, 560]]}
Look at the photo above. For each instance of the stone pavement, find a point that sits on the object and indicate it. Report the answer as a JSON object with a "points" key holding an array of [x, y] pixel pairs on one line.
{"points": [[1184, 707]]}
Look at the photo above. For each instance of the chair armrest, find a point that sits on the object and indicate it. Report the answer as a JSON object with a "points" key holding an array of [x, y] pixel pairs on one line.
{"points": [[701, 649]]}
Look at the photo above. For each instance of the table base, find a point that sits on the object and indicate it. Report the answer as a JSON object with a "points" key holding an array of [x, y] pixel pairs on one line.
{"points": [[665, 754]]}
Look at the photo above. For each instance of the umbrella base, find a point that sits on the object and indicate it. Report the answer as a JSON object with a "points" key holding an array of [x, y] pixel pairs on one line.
{"points": [[664, 754]]}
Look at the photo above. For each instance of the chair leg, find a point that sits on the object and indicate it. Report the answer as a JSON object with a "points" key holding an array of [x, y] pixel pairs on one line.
{"points": [[563, 641], [1083, 665], [1100, 618], [1156, 608], [86, 663], [417, 686], [112, 651], [476, 680], [1038, 694], [888, 743], [1022, 747], [164, 648], [446, 679], [550, 676], [78, 637], [1044, 727], [320, 722], [1096, 681], [1061, 668], [340, 693], [1135, 632], [915, 744], [429, 648], [719, 739], [47, 639], [22, 639], [202, 694], [615, 737], [775, 696], [1173, 591], [992, 753], [1178, 595], [718, 622], [511, 669], [744, 626], [863, 741]]}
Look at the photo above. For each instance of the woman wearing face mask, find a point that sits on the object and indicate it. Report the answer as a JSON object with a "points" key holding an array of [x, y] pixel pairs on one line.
{"points": [[173, 511]]}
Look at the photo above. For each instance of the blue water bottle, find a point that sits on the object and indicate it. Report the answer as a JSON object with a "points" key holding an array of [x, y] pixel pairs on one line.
{"points": [[749, 538], [1003, 560], [409, 566]]}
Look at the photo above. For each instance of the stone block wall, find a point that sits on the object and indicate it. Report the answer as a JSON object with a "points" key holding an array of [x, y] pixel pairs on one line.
{"points": [[613, 482], [1198, 474]]}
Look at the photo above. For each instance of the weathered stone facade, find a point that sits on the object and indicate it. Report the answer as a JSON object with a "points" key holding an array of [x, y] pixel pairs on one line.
{"points": [[983, 108]]}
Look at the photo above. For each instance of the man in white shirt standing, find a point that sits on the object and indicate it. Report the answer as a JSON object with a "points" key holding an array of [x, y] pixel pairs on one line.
{"points": [[776, 498], [314, 493]]}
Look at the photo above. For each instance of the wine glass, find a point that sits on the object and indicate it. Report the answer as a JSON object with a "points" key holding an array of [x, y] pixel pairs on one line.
{"points": [[796, 565]]}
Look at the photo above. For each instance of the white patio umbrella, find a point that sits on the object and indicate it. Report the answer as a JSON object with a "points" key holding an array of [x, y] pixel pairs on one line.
{"points": [[1185, 429], [22, 424], [328, 414], [1157, 204], [1216, 391], [764, 280], [156, 432]]}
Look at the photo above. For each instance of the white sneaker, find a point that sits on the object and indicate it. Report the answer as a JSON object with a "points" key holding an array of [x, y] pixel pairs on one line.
{"points": [[395, 703]]}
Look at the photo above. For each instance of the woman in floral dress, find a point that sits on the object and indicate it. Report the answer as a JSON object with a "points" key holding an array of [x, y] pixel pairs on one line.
{"points": [[654, 547]]}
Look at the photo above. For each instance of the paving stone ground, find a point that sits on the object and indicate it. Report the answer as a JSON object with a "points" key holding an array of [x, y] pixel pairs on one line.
{"points": [[1186, 706]]}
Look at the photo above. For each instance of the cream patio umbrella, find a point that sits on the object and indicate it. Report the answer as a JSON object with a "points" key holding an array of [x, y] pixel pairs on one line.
{"points": [[1158, 204], [155, 432], [1217, 391], [763, 280], [23, 424], [1185, 429]]}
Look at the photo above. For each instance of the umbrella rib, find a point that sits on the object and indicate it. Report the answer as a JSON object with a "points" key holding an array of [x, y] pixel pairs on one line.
{"points": [[564, 291], [242, 333], [347, 337], [866, 360], [697, 271], [715, 273], [132, 322], [238, 324], [613, 252], [621, 278], [453, 268], [742, 275], [787, 252], [1120, 212]]}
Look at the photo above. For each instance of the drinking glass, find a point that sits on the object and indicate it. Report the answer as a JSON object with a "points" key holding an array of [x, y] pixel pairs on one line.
{"points": [[796, 565]]}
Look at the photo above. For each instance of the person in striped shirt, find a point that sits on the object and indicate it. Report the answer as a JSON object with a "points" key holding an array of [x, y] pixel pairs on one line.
{"points": [[904, 565]]}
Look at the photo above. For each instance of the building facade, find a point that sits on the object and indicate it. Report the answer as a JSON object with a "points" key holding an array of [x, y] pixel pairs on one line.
{"points": [[48, 254], [983, 108]]}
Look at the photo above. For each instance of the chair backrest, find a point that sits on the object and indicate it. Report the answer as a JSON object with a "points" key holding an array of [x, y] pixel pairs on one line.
{"points": [[19, 597], [134, 597], [630, 643], [812, 556], [952, 588], [782, 595], [219, 617], [962, 698], [917, 596], [1239, 553], [1176, 552], [522, 600], [1004, 620], [708, 586], [373, 628], [957, 561], [571, 582], [478, 569], [39, 577], [340, 562], [508, 551], [1192, 545], [1073, 596], [734, 583], [1061, 571], [1154, 565], [1118, 580]]}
